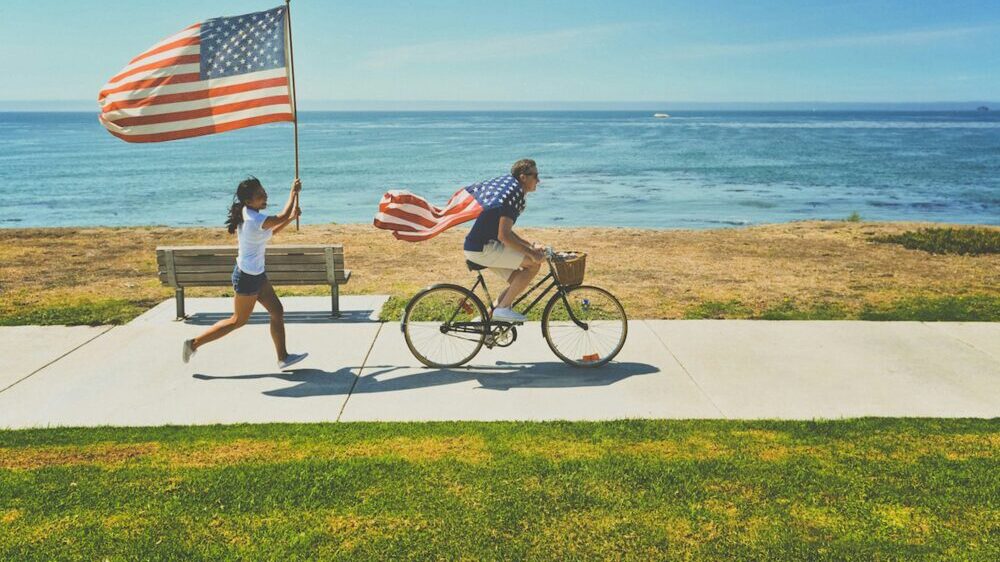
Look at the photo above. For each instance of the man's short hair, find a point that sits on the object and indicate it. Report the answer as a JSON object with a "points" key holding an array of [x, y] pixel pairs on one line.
{"points": [[523, 166]]}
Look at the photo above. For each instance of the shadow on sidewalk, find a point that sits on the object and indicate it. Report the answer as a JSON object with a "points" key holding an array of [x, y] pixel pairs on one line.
{"points": [[311, 317], [502, 376]]}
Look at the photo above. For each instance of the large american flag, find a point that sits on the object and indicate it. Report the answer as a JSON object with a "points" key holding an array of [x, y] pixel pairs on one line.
{"points": [[412, 218], [218, 75]]}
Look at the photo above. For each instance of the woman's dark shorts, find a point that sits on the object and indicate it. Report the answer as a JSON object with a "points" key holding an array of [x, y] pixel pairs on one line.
{"points": [[246, 284]]}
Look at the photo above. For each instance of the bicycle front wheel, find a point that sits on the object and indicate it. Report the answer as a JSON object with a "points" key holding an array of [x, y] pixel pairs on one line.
{"points": [[586, 328], [444, 326]]}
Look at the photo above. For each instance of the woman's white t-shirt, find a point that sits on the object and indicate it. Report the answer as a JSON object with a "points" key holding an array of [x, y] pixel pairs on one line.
{"points": [[253, 239]]}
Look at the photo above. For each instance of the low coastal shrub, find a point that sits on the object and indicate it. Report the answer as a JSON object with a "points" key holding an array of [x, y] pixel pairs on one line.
{"points": [[962, 241]]}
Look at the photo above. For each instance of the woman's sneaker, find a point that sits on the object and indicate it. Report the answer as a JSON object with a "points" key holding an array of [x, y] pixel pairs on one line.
{"points": [[292, 359], [508, 315], [188, 350]]}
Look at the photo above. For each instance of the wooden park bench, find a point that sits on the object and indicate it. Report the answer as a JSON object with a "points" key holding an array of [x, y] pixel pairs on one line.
{"points": [[211, 266]]}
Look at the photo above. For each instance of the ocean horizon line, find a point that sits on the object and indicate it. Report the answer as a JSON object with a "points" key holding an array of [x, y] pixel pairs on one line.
{"points": [[16, 106]]}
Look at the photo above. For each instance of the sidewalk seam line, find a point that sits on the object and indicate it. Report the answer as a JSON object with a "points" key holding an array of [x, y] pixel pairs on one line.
{"points": [[686, 372], [361, 370], [36, 371], [960, 340]]}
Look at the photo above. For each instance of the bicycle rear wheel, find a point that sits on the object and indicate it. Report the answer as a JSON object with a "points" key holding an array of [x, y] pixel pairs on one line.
{"points": [[441, 327], [598, 333]]}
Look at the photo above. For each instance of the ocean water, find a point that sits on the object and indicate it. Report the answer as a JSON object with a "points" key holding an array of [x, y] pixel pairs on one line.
{"points": [[693, 170]]}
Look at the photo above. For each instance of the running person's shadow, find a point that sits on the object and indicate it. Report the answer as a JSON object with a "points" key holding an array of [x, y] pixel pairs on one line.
{"points": [[502, 376]]}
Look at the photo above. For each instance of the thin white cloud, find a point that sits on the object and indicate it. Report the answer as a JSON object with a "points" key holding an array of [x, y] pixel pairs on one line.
{"points": [[898, 38], [490, 48]]}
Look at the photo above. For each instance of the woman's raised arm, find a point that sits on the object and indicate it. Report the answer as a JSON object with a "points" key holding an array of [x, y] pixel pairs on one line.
{"points": [[288, 213]]}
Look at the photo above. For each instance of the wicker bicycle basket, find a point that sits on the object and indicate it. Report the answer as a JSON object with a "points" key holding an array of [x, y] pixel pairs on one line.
{"points": [[570, 267]]}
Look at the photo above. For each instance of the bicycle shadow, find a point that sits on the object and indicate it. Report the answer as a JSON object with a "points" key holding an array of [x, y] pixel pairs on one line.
{"points": [[502, 376]]}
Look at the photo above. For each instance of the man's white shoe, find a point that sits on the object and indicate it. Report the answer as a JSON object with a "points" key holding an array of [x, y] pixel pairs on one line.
{"points": [[188, 351], [508, 315], [292, 359]]}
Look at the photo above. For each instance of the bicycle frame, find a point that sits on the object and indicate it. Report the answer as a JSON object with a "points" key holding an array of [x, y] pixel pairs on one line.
{"points": [[555, 284]]}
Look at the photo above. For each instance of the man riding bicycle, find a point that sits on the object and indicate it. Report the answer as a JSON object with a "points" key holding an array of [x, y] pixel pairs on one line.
{"points": [[493, 243], [445, 325]]}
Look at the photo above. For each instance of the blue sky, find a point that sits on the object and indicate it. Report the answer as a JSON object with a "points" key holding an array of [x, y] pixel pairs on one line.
{"points": [[708, 51]]}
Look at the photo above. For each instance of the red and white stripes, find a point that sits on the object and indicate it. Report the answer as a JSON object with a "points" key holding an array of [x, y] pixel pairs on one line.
{"points": [[413, 219], [160, 95]]}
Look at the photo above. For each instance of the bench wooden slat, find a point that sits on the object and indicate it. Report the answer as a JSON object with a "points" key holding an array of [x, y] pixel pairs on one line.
{"points": [[189, 264], [227, 281], [275, 249], [232, 255], [228, 268], [182, 259], [278, 278], [191, 261], [228, 265], [269, 246], [231, 252]]}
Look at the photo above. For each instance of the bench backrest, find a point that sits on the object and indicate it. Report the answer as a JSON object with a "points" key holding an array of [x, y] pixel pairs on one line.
{"points": [[189, 266]]}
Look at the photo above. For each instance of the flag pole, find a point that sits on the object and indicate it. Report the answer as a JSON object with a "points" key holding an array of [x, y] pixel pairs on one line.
{"points": [[295, 105]]}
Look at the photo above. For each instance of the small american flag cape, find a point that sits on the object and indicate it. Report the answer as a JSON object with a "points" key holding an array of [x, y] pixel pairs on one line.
{"points": [[217, 75], [411, 218]]}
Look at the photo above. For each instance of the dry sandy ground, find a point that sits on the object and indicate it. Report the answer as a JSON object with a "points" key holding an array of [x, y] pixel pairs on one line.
{"points": [[656, 273]]}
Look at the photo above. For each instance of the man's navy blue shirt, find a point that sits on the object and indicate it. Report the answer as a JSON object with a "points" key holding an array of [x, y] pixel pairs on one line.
{"points": [[499, 197]]}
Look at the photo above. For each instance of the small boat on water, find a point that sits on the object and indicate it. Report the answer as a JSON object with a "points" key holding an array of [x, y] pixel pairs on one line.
{"points": [[982, 108], [661, 115]]}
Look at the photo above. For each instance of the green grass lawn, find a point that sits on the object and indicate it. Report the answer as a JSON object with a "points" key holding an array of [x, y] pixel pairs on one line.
{"points": [[871, 489]]}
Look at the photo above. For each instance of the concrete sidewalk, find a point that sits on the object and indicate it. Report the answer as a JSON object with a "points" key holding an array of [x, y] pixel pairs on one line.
{"points": [[360, 369]]}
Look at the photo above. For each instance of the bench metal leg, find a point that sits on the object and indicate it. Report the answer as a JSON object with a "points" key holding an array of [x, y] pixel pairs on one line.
{"points": [[335, 300], [179, 297]]}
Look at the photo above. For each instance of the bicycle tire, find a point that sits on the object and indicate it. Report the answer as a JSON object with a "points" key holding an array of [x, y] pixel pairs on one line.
{"points": [[616, 313], [416, 314]]}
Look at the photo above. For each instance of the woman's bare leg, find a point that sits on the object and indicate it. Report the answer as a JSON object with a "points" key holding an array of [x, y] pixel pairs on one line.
{"points": [[242, 307], [269, 299]]}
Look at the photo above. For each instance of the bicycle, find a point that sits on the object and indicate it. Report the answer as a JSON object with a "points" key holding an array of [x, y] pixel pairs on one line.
{"points": [[446, 325]]}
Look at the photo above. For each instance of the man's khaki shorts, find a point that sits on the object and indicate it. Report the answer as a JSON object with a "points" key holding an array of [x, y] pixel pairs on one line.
{"points": [[501, 260]]}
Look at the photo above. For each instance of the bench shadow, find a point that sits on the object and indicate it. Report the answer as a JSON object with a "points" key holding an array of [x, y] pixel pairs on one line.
{"points": [[311, 317], [502, 376]]}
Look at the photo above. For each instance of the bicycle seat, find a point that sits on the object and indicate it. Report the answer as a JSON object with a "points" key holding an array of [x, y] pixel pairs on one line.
{"points": [[473, 266]]}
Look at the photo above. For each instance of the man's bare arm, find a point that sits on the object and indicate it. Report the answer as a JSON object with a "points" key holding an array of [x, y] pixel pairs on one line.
{"points": [[508, 237]]}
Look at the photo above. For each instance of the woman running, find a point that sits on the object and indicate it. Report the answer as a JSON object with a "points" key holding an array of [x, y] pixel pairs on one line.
{"points": [[253, 230]]}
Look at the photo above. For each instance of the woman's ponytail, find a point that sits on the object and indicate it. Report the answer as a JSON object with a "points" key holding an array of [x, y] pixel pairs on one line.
{"points": [[235, 217], [244, 192]]}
